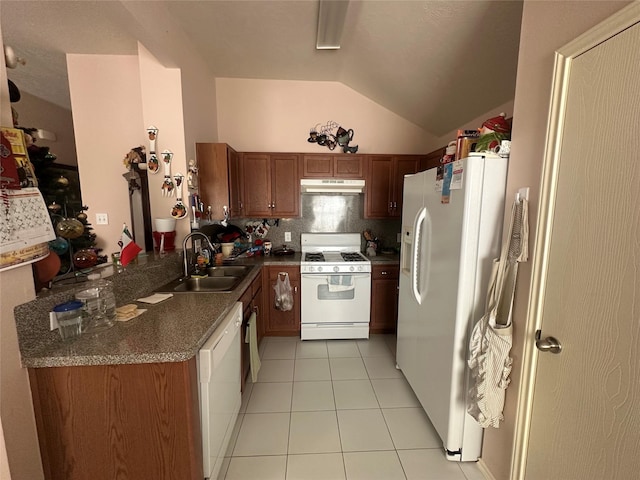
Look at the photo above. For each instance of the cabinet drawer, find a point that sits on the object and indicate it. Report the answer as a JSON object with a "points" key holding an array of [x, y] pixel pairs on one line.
{"points": [[382, 272]]}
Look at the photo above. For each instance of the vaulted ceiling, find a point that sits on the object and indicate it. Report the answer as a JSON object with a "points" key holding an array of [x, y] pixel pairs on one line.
{"points": [[437, 64]]}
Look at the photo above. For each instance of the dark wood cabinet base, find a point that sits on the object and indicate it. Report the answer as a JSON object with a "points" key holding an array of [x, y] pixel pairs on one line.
{"points": [[134, 422]]}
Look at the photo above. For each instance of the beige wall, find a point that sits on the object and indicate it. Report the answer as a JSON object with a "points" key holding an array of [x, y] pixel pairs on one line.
{"points": [[442, 141], [37, 113], [162, 107], [107, 116], [276, 116], [19, 451], [546, 26]]}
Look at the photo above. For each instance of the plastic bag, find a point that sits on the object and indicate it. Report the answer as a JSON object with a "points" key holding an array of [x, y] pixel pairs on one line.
{"points": [[284, 295]]}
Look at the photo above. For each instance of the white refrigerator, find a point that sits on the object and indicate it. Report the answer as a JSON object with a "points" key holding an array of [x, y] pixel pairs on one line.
{"points": [[446, 255]]}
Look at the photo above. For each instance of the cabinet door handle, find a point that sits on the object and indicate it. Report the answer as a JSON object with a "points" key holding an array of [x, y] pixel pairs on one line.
{"points": [[256, 310], [295, 289], [384, 273]]}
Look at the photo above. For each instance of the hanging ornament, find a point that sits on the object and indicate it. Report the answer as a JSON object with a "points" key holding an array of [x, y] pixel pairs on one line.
{"points": [[69, 228], [54, 207], [59, 246], [61, 182]]}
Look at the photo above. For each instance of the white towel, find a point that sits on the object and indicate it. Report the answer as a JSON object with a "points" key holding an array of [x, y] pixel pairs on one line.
{"points": [[340, 283], [251, 337]]}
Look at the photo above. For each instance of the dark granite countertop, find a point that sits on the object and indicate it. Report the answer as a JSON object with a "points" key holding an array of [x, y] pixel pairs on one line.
{"points": [[170, 331]]}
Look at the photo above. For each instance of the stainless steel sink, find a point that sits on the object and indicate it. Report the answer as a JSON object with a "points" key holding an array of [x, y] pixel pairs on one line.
{"points": [[208, 284], [221, 279], [228, 271]]}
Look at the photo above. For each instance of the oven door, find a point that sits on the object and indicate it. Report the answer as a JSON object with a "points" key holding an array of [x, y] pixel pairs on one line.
{"points": [[339, 302]]}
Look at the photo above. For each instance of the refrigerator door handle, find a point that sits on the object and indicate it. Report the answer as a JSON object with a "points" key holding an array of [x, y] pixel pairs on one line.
{"points": [[415, 265]]}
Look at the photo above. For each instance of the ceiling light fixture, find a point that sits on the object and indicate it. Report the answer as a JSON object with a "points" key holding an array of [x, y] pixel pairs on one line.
{"points": [[331, 15]]}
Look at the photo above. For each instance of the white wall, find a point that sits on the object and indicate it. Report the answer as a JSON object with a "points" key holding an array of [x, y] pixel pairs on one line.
{"points": [[546, 26], [19, 450], [276, 116]]}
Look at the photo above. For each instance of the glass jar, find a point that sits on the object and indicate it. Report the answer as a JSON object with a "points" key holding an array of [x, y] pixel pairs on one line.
{"points": [[99, 304], [69, 318]]}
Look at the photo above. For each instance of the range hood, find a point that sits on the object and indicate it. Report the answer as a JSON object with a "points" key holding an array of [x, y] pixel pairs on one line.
{"points": [[345, 186]]}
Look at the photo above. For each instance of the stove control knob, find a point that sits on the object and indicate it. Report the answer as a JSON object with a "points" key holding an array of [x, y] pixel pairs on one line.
{"points": [[336, 269], [311, 269], [319, 269], [351, 268]]}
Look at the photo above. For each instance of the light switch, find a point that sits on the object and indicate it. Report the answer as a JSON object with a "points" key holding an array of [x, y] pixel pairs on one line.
{"points": [[102, 219], [287, 236]]}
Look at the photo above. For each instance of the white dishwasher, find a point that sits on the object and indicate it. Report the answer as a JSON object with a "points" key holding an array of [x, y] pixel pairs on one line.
{"points": [[220, 398]]}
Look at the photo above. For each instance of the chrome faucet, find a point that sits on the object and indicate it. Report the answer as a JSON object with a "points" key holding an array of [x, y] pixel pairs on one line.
{"points": [[184, 249]]}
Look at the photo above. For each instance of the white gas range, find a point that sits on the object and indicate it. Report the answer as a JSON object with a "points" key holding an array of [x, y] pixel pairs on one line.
{"points": [[335, 287]]}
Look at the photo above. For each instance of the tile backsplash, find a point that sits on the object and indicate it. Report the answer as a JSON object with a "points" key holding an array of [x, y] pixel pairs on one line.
{"points": [[329, 213]]}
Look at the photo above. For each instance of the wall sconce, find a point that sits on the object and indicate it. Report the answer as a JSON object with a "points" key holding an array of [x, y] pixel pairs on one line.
{"points": [[331, 16]]}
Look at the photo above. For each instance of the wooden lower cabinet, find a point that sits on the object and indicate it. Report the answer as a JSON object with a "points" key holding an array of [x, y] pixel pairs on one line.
{"points": [[277, 322], [251, 302], [384, 298], [133, 422]]}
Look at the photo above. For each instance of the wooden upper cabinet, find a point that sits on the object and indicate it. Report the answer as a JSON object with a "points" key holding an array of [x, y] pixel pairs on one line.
{"points": [[378, 186], [317, 166], [404, 165], [256, 181], [385, 183], [332, 166], [235, 184], [219, 178], [271, 185], [432, 159], [285, 184]]}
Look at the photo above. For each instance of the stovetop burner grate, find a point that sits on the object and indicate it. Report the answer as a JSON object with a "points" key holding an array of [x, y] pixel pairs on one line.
{"points": [[314, 257], [352, 257]]}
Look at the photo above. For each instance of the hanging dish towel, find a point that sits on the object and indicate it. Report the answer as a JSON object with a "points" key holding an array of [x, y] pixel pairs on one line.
{"points": [[251, 337], [490, 342], [340, 283]]}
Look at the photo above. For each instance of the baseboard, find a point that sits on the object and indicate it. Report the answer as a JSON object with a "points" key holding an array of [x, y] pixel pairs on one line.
{"points": [[485, 470]]}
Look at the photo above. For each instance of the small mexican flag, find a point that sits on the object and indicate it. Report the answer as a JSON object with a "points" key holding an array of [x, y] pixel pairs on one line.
{"points": [[128, 248]]}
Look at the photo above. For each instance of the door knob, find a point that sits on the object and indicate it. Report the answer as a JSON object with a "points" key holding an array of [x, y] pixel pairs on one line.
{"points": [[549, 344]]}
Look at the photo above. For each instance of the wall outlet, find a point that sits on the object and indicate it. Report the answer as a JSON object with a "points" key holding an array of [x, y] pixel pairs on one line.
{"points": [[287, 236], [102, 219]]}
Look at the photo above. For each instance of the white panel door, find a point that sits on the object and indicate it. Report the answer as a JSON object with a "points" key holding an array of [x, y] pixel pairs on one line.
{"points": [[585, 421]]}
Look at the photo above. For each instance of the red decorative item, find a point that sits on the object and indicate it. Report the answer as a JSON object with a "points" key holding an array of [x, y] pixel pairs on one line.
{"points": [[85, 258], [497, 124], [9, 178]]}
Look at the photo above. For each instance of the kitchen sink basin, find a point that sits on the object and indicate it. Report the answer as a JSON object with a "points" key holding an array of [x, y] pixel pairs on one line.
{"points": [[228, 271], [223, 278], [207, 284]]}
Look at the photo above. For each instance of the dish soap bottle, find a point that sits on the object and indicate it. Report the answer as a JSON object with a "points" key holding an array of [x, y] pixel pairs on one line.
{"points": [[99, 301]]}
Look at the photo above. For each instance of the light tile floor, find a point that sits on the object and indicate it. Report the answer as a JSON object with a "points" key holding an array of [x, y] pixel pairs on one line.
{"points": [[335, 410]]}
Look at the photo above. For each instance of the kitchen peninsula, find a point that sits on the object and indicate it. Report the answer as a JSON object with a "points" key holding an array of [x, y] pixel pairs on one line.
{"points": [[126, 400], [124, 403]]}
